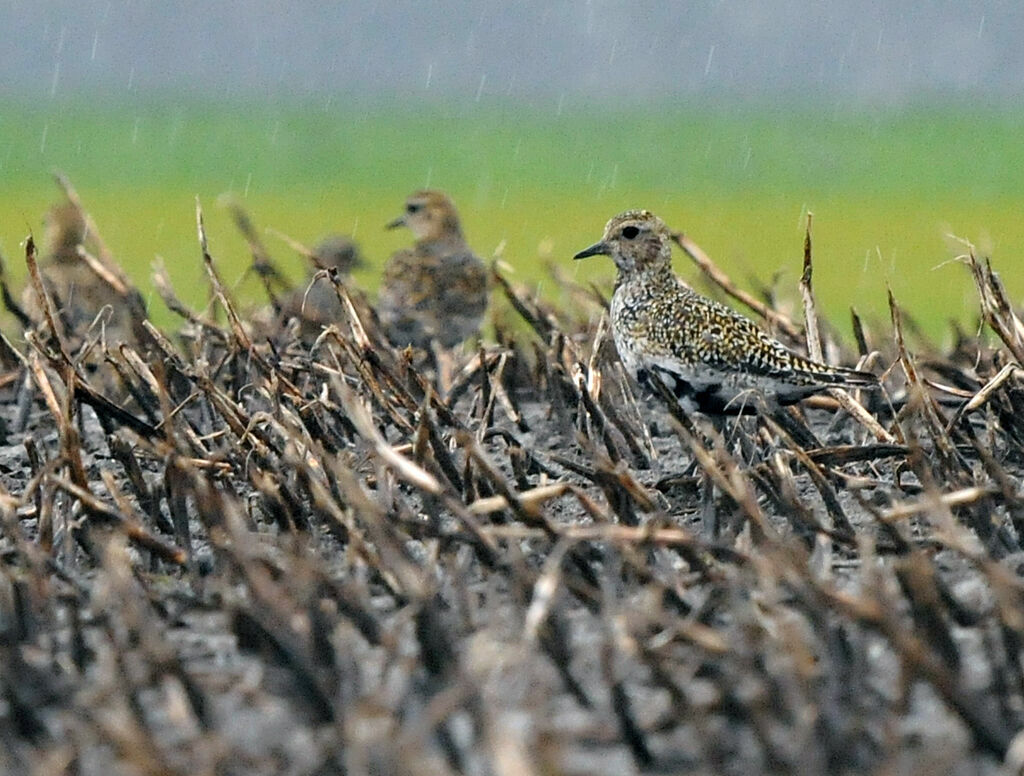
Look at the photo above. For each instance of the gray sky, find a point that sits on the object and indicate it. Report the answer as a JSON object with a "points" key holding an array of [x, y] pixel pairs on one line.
{"points": [[887, 52]]}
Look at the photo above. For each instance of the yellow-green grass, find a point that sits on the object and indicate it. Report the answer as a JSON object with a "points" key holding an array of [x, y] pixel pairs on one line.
{"points": [[885, 187]]}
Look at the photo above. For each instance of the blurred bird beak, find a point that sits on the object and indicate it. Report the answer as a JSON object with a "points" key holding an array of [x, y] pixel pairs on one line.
{"points": [[400, 221], [597, 249]]}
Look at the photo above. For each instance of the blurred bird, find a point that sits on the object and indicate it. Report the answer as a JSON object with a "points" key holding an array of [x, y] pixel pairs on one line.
{"points": [[316, 303], [80, 294], [338, 252], [710, 356], [436, 291]]}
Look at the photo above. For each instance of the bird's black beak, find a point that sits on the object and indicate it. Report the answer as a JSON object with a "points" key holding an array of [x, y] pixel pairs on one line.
{"points": [[597, 249], [400, 221]]}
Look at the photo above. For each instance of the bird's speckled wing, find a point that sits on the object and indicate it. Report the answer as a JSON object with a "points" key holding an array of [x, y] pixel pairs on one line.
{"points": [[429, 295], [406, 285], [463, 286], [708, 344]]}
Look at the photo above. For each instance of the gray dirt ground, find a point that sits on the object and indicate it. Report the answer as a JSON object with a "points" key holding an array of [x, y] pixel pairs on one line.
{"points": [[740, 668]]}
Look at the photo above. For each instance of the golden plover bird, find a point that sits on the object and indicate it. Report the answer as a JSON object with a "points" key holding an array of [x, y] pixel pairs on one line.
{"points": [[436, 291], [710, 356], [78, 293], [338, 252], [317, 305]]}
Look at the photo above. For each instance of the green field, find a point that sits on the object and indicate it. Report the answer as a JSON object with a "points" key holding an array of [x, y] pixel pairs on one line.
{"points": [[886, 186]]}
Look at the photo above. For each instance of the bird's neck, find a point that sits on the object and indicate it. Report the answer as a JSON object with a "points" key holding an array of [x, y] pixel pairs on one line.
{"points": [[650, 275], [441, 243]]}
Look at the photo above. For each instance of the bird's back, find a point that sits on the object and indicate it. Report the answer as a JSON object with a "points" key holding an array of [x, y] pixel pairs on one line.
{"points": [[79, 296]]}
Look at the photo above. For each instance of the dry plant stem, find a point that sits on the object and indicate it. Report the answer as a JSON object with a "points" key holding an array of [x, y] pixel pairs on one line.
{"points": [[106, 258], [919, 659], [10, 303], [813, 338], [163, 286], [979, 399], [527, 511], [635, 414], [381, 395], [846, 401], [724, 472], [131, 525], [540, 322], [104, 273], [861, 415], [358, 331], [817, 476], [363, 421], [829, 456], [858, 333], [295, 245], [43, 298], [943, 443], [262, 264], [955, 498], [218, 287], [995, 307]]}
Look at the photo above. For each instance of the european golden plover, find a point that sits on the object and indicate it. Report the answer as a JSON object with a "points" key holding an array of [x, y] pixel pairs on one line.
{"points": [[338, 252], [317, 305], [78, 292], [710, 356], [436, 291]]}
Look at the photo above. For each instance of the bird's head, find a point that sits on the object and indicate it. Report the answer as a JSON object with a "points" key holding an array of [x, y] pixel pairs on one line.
{"points": [[636, 241], [65, 230], [338, 251], [429, 215]]}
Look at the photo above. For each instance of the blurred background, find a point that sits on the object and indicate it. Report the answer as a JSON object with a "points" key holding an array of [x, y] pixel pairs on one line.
{"points": [[897, 124]]}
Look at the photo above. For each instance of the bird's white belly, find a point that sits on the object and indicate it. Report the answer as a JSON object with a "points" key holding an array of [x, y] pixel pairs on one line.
{"points": [[630, 358]]}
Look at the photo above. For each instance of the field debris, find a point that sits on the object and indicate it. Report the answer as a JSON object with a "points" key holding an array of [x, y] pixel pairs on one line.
{"points": [[240, 548]]}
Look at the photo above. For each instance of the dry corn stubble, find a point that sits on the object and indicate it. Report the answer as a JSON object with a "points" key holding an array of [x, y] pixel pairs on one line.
{"points": [[261, 554]]}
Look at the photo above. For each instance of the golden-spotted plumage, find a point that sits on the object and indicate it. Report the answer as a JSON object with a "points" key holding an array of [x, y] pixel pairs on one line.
{"points": [[435, 291], [710, 355]]}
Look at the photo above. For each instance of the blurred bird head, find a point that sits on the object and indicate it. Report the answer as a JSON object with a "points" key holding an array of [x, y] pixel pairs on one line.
{"points": [[429, 215], [339, 252], [636, 240], [65, 230]]}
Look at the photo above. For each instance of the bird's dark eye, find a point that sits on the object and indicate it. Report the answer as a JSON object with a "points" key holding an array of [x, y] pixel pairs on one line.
{"points": [[412, 207], [630, 232]]}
